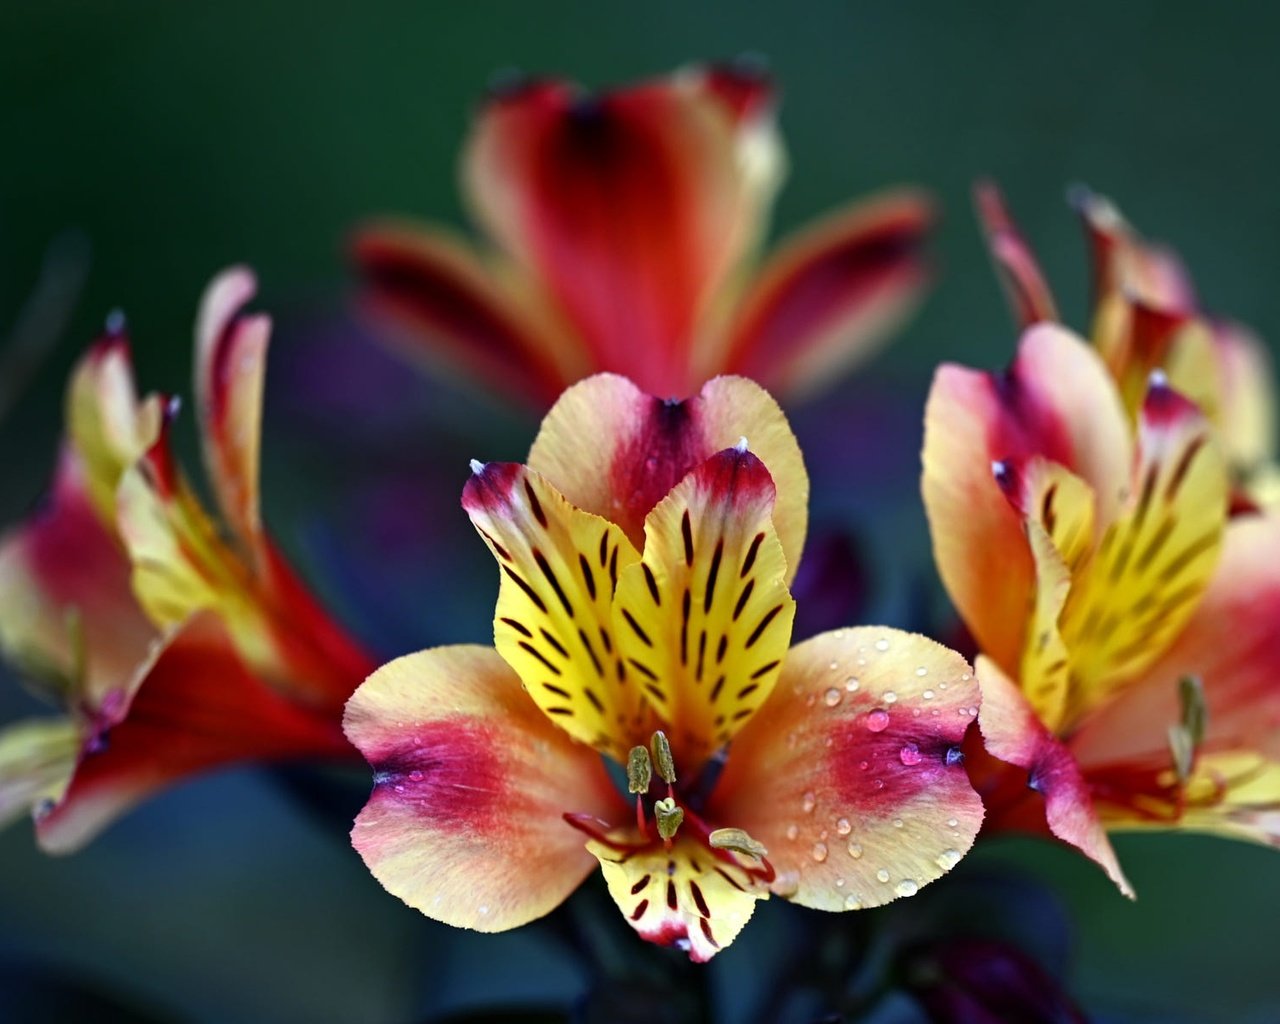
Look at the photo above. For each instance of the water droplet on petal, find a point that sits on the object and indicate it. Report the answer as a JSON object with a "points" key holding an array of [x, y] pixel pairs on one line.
{"points": [[415, 776], [819, 852], [948, 859], [907, 887], [922, 671], [810, 801], [840, 883], [890, 697], [855, 850], [927, 695], [832, 697], [834, 665], [851, 902], [883, 874], [897, 823], [878, 720], [851, 684], [882, 644], [792, 832], [878, 784], [910, 754], [864, 765], [844, 827]]}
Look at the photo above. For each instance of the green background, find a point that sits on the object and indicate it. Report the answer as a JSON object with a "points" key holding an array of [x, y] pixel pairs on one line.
{"points": [[180, 138]]}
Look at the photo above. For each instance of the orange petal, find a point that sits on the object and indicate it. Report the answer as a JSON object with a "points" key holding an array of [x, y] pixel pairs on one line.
{"points": [[616, 452], [553, 623], [630, 207], [448, 308], [68, 617], [689, 896], [470, 784], [704, 621], [829, 296], [192, 706], [231, 363], [851, 774], [1055, 401], [1024, 285], [1013, 734]]}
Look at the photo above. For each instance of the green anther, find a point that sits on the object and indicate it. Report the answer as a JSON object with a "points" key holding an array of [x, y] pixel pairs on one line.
{"points": [[639, 770], [1187, 735], [669, 817], [738, 841], [662, 757]]}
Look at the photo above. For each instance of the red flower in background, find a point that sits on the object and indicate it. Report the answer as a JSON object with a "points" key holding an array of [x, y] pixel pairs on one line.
{"points": [[623, 227]]}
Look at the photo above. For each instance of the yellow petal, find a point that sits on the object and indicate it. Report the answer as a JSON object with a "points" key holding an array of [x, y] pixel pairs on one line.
{"points": [[690, 896], [1155, 560], [553, 622], [704, 621], [37, 758]]}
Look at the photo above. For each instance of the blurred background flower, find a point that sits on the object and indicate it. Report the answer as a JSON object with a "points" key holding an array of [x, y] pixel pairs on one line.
{"points": [[181, 139]]}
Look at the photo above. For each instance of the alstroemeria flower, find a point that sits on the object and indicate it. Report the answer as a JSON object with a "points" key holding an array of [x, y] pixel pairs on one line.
{"points": [[644, 615], [1146, 317], [1130, 668], [173, 645], [623, 225]]}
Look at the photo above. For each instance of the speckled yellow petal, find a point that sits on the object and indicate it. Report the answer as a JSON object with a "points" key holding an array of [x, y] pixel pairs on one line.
{"points": [[691, 896], [1154, 561], [471, 782], [704, 621], [851, 774], [1058, 517], [553, 622]]}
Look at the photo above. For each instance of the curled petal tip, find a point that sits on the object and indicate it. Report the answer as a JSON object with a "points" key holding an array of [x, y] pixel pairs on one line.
{"points": [[477, 467]]}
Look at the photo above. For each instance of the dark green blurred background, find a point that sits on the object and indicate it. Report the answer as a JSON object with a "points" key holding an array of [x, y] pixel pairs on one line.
{"points": [[181, 137]]}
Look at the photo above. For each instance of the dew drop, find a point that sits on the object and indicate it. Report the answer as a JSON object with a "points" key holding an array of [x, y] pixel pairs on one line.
{"points": [[948, 859], [834, 665], [910, 754], [843, 826], [819, 852], [878, 784], [792, 832], [809, 802], [883, 874], [882, 644], [812, 699], [840, 882], [787, 884], [855, 851], [832, 697], [907, 887], [952, 823], [878, 720], [864, 765], [415, 776], [964, 678], [922, 671], [927, 695], [890, 697], [483, 909], [851, 684], [851, 902], [897, 823]]}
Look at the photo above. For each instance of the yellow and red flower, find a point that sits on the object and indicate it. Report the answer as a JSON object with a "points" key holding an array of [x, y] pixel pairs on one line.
{"points": [[645, 553], [623, 225], [173, 645], [1129, 669], [1146, 317]]}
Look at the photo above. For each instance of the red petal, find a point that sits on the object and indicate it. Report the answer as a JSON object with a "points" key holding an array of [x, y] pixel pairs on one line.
{"points": [[1013, 734], [196, 707], [832, 293], [630, 207], [1016, 265], [448, 308]]}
